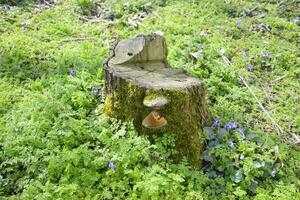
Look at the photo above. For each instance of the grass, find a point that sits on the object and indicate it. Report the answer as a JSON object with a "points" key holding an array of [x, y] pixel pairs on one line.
{"points": [[54, 141]]}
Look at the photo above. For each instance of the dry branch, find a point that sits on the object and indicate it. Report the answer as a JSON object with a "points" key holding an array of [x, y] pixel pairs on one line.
{"points": [[278, 129]]}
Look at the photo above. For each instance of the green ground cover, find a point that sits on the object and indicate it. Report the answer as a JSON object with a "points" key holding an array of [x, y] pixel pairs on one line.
{"points": [[56, 144]]}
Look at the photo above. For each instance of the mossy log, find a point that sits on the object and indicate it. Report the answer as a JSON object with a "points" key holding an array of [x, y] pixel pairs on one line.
{"points": [[142, 87]]}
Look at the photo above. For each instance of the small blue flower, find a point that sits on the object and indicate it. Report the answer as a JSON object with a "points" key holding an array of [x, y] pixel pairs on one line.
{"points": [[250, 67], [241, 131], [231, 144], [229, 125], [201, 46], [266, 55], [215, 123], [96, 90], [111, 165], [245, 53], [72, 73]]}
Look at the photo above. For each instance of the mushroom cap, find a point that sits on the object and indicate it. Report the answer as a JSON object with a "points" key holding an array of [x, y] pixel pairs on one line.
{"points": [[155, 102], [154, 120]]}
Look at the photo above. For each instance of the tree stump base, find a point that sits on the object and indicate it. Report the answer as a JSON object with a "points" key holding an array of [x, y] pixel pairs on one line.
{"points": [[140, 86]]}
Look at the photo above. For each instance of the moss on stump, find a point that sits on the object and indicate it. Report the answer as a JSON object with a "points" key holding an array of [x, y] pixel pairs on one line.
{"points": [[140, 86]]}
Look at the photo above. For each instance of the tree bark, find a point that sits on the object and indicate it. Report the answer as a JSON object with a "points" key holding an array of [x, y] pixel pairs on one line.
{"points": [[142, 87]]}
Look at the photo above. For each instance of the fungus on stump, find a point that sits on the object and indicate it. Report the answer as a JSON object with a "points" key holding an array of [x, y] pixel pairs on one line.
{"points": [[142, 87]]}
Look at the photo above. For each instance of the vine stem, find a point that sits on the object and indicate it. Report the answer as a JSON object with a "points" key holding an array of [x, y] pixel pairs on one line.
{"points": [[279, 130]]}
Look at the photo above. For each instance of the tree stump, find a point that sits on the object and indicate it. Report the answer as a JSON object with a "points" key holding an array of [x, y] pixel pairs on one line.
{"points": [[142, 87]]}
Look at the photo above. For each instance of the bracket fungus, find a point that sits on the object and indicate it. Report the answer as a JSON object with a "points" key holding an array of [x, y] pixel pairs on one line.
{"points": [[155, 103], [154, 120], [139, 82]]}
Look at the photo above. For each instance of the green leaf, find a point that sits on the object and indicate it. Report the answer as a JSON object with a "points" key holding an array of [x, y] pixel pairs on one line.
{"points": [[239, 176], [209, 133], [223, 134]]}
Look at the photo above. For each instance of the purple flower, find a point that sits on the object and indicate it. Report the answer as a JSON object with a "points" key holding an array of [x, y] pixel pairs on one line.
{"points": [[111, 165], [231, 144], [72, 73], [96, 90], [245, 53], [265, 55], [229, 125], [215, 123], [241, 131], [250, 68]]}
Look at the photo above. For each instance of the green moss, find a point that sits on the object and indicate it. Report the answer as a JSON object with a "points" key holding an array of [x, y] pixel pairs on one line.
{"points": [[184, 112], [124, 102]]}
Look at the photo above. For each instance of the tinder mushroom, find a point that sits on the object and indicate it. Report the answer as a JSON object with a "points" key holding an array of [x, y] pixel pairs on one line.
{"points": [[155, 103], [154, 120]]}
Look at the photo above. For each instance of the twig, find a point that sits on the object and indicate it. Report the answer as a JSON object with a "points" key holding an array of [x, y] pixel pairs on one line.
{"points": [[134, 23], [279, 78], [289, 49], [95, 20], [253, 9], [15, 2], [47, 3], [76, 39], [277, 127], [157, 15], [226, 60], [296, 138]]}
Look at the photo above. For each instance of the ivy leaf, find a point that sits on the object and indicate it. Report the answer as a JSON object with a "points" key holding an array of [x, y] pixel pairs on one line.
{"points": [[223, 134], [239, 176], [252, 187], [259, 164], [213, 143], [207, 157], [209, 133], [252, 136]]}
